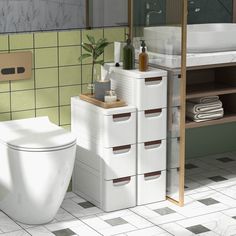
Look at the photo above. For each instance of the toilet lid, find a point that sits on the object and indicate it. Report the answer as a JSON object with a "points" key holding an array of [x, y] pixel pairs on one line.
{"points": [[35, 134]]}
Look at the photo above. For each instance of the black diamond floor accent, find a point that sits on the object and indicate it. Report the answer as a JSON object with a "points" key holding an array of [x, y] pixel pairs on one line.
{"points": [[164, 211], [217, 178], [198, 229], [208, 201], [225, 159], [86, 204], [190, 166], [64, 232], [234, 217]]}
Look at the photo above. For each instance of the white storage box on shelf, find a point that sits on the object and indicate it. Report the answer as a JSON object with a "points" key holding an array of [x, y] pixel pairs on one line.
{"points": [[145, 90], [105, 164]]}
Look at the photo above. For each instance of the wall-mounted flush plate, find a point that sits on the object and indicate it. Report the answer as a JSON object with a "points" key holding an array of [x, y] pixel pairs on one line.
{"points": [[15, 66]]}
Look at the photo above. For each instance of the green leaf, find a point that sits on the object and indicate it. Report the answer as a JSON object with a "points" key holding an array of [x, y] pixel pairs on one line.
{"points": [[91, 39], [101, 41], [83, 56], [87, 47], [101, 62]]}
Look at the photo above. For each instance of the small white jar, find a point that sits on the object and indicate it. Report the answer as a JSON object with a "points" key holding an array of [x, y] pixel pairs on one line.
{"points": [[110, 96]]}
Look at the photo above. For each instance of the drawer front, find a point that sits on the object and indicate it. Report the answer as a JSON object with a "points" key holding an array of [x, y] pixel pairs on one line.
{"points": [[119, 193], [152, 125], [151, 93], [173, 125], [173, 152], [151, 187], [119, 129], [119, 162], [151, 156]]}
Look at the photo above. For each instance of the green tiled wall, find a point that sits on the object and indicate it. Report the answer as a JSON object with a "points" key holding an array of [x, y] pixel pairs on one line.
{"points": [[57, 73]]}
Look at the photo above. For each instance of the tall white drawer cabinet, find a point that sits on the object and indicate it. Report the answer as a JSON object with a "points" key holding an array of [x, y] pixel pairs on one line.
{"points": [[105, 165], [147, 91]]}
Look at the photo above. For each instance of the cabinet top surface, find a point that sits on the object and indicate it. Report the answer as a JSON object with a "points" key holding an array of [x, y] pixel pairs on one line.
{"points": [[86, 105], [152, 72]]}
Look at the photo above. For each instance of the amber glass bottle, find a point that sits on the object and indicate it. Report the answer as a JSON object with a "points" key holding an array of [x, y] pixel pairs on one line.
{"points": [[143, 58]]}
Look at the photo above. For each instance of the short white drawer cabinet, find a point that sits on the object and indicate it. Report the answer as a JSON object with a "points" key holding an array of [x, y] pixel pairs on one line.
{"points": [[105, 166], [147, 91]]}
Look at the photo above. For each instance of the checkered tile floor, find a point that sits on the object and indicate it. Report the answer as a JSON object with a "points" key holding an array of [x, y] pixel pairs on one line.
{"points": [[210, 209]]}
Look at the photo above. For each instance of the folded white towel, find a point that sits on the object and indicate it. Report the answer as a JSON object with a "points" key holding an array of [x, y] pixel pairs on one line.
{"points": [[208, 99], [203, 116], [202, 107]]}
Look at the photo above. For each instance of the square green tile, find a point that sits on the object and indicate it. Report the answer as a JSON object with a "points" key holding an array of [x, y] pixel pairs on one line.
{"points": [[23, 84], [114, 34], [67, 92], [4, 42], [21, 41], [23, 114], [46, 57], [96, 33], [47, 97], [67, 38], [109, 53], [4, 86], [47, 77], [52, 114], [4, 102], [23, 100], [5, 116], [65, 115], [87, 73], [69, 55], [45, 39], [70, 75]]}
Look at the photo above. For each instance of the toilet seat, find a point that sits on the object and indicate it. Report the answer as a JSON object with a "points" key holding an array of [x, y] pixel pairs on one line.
{"points": [[35, 135]]}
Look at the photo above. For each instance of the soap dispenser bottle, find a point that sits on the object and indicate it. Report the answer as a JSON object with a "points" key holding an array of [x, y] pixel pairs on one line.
{"points": [[143, 57], [128, 55]]}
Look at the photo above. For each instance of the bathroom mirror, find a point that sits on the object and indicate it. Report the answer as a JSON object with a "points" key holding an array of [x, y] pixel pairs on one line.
{"points": [[46, 15]]}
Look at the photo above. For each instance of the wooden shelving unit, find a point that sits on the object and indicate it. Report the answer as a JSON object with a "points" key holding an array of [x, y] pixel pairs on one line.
{"points": [[203, 82]]}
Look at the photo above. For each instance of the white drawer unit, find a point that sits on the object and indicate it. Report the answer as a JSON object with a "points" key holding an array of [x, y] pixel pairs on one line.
{"points": [[108, 126], [151, 187], [109, 195], [145, 90], [151, 156], [152, 125]]}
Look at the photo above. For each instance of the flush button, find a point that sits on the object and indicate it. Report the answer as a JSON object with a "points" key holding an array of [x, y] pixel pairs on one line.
{"points": [[8, 71], [20, 70]]}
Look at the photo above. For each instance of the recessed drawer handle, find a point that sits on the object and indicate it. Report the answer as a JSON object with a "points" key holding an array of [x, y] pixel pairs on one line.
{"points": [[152, 175], [153, 112], [121, 149], [121, 117], [121, 181], [152, 144], [153, 81]]}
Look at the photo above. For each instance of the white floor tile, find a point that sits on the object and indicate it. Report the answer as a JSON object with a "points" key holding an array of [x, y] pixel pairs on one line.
{"points": [[39, 231], [7, 225], [153, 231], [16, 233]]}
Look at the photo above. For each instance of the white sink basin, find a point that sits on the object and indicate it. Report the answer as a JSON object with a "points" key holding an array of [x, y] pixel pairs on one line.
{"points": [[201, 38]]}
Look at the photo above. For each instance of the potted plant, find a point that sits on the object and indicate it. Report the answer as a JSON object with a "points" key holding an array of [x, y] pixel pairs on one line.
{"points": [[94, 50]]}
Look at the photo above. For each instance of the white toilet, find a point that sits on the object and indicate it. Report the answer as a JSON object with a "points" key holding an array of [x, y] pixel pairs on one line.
{"points": [[36, 163]]}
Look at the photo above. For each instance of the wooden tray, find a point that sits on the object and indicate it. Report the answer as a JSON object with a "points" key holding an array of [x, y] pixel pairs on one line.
{"points": [[90, 98]]}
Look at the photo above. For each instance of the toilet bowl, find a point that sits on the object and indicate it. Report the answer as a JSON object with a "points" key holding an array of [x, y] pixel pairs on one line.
{"points": [[36, 163]]}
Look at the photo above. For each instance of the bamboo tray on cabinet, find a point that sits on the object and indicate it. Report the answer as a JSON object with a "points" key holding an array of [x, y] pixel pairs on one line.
{"points": [[90, 98]]}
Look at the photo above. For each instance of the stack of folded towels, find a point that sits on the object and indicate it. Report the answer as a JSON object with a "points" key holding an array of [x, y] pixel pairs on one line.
{"points": [[205, 108]]}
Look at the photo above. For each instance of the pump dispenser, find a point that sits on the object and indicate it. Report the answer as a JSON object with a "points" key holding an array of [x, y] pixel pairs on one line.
{"points": [[128, 55], [143, 57]]}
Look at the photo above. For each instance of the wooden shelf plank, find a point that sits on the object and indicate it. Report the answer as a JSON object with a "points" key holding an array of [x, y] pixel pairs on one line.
{"points": [[226, 119], [208, 89]]}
